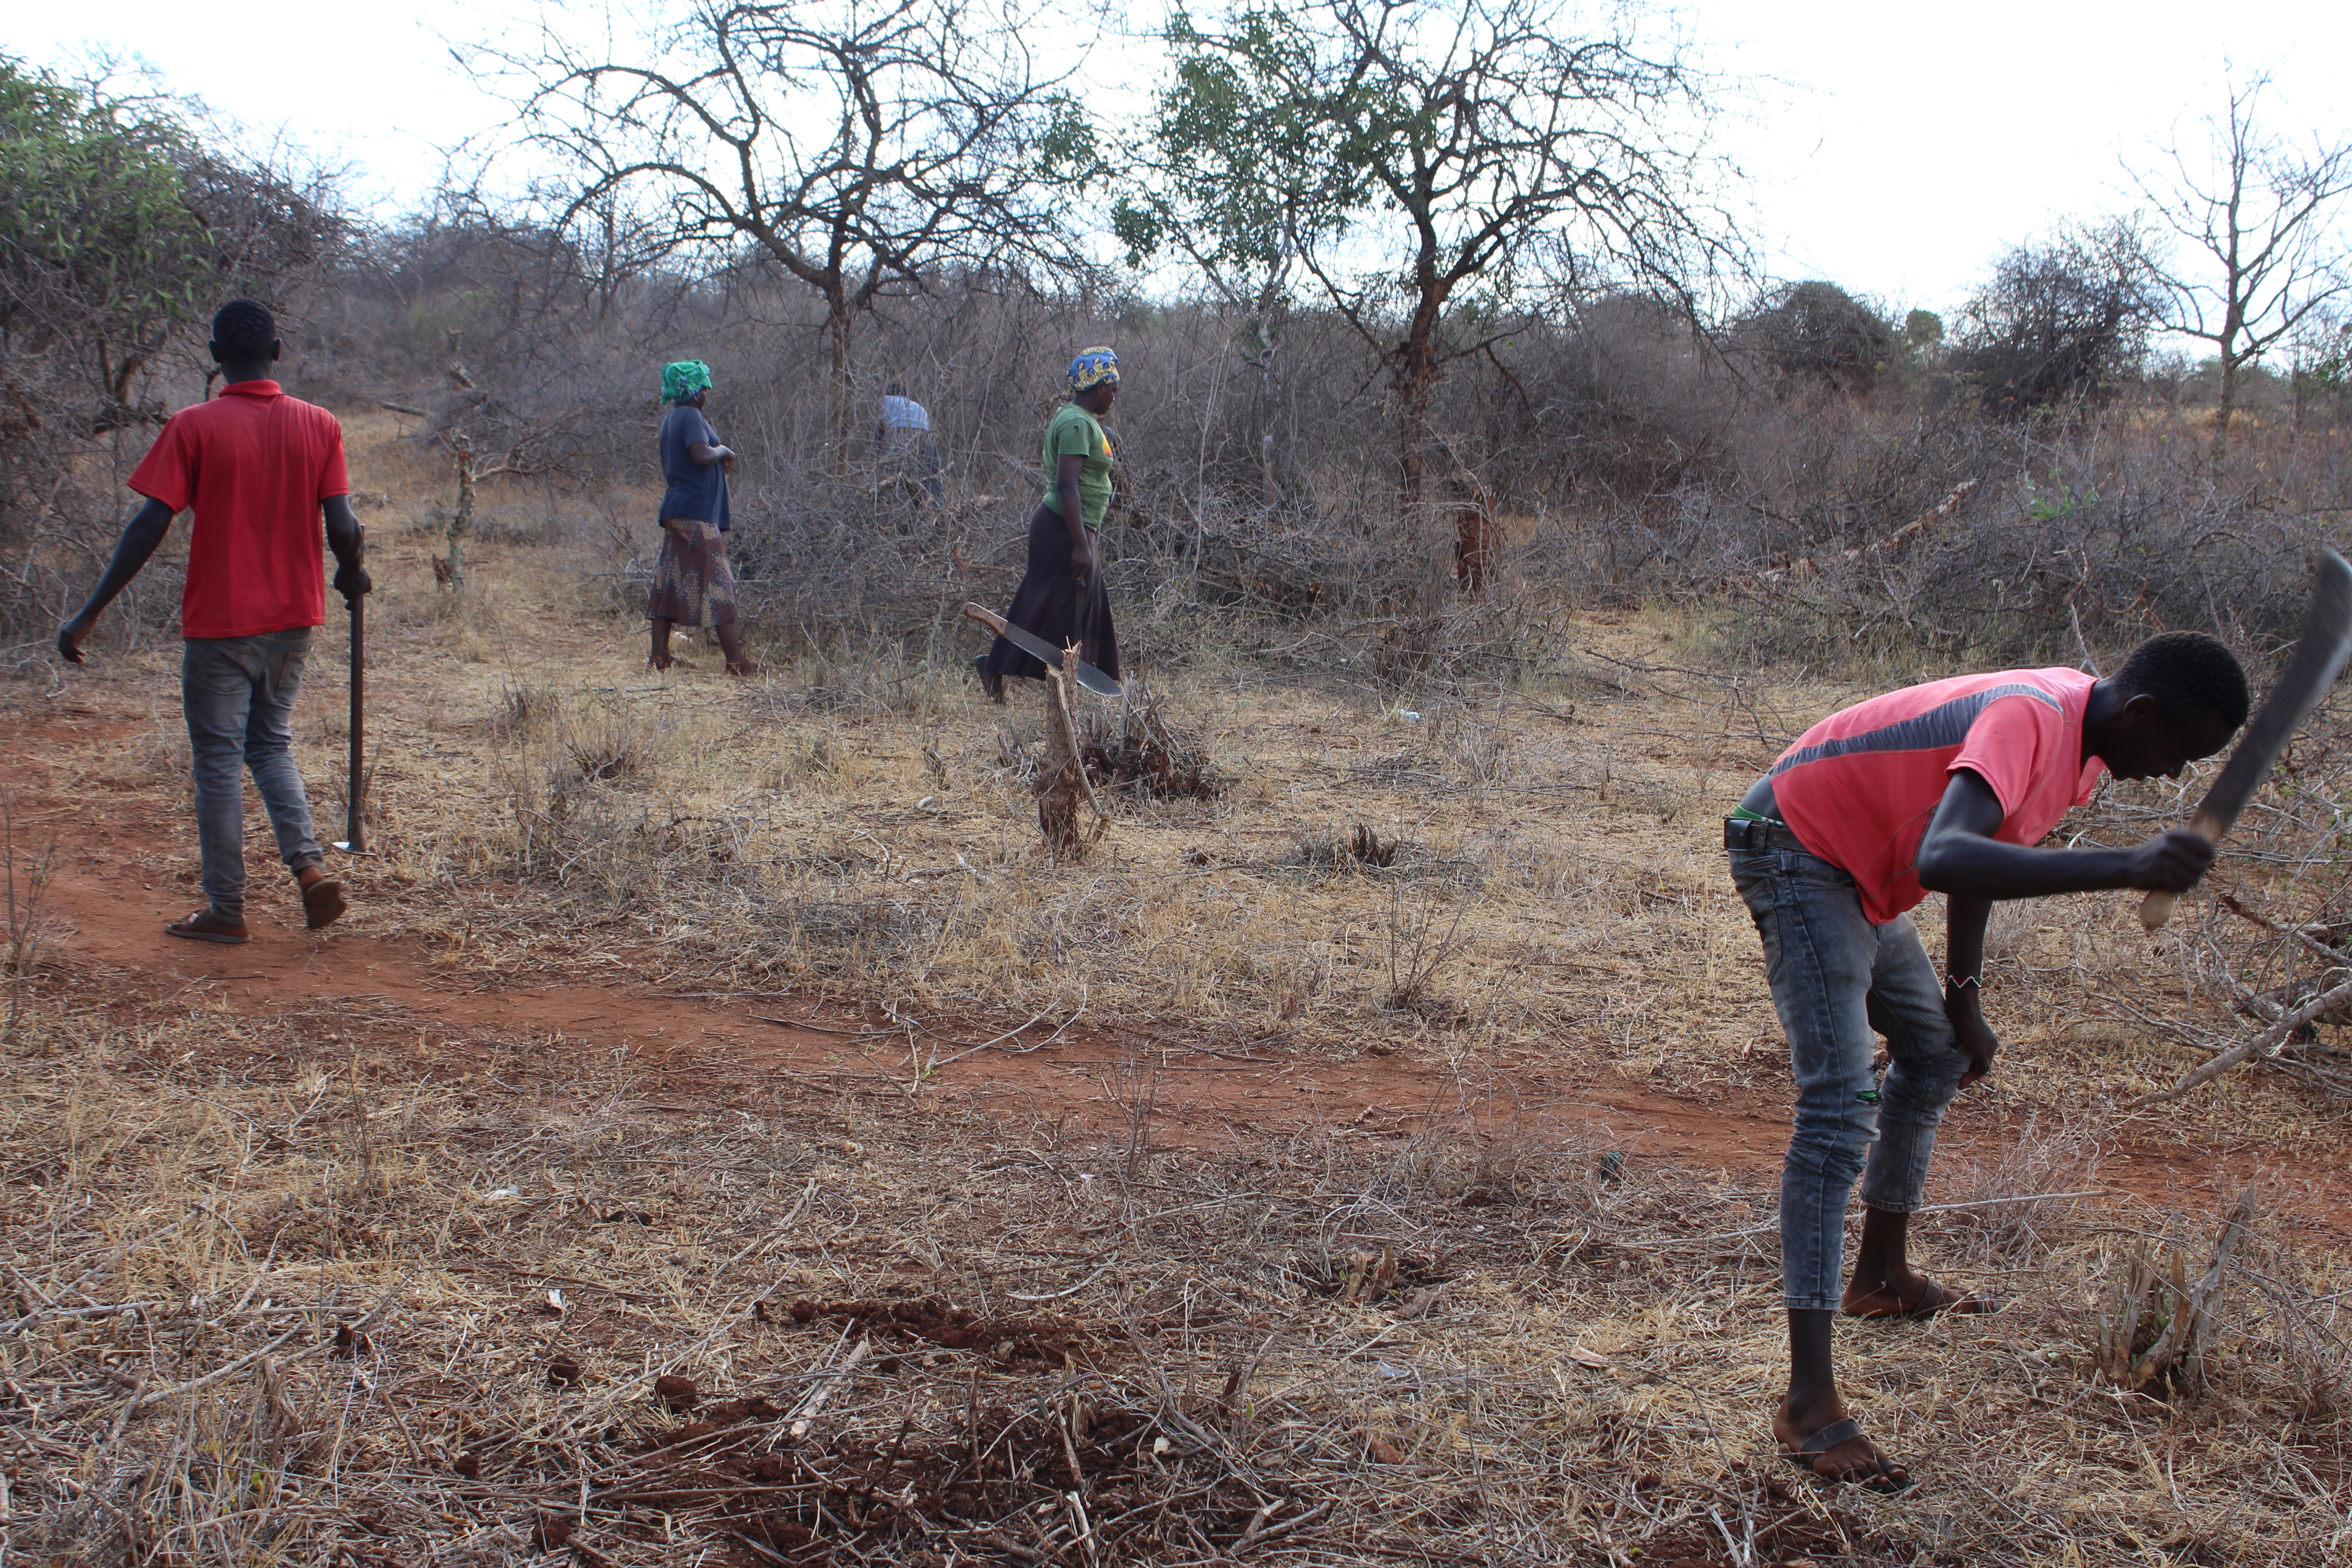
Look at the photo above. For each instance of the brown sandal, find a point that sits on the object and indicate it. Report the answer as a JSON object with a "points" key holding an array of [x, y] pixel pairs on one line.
{"points": [[746, 666], [1933, 1301], [206, 926]]}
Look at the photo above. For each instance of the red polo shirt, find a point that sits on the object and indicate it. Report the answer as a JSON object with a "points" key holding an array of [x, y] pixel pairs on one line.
{"points": [[1859, 788], [253, 465]]}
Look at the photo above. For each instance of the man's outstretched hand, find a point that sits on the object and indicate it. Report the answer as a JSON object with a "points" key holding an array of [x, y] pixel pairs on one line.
{"points": [[352, 582], [70, 636], [2170, 862]]}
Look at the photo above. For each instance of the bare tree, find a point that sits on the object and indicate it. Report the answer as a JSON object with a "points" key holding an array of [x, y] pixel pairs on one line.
{"points": [[2255, 215], [857, 144], [1453, 140]]}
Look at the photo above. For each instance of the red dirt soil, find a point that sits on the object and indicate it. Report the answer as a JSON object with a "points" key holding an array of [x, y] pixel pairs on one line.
{"points": [[126, 867]]}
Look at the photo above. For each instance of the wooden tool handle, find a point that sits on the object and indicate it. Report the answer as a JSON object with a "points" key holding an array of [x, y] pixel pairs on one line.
{"points": [[988, 618], [354, 797], [2156, 907]]}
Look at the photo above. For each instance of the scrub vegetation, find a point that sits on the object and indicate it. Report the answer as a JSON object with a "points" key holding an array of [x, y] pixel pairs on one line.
{"points": [[723, 1130]]}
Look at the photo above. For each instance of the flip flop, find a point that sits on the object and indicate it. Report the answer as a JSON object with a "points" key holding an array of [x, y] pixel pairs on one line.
{"points": [[1803, 1454], [1933, 1300], [201, 926], [323, 903]]}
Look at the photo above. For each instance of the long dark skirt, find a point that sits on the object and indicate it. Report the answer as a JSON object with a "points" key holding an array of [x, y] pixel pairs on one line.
{"points": [[1052, 605]]}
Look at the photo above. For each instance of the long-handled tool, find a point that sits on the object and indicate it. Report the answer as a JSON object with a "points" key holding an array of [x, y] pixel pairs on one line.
{"points": [[1037, 647], [2319, 656], [355, 841]]}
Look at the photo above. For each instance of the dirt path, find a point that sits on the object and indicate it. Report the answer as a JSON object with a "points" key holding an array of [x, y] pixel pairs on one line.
{"points": [[126, 865]]}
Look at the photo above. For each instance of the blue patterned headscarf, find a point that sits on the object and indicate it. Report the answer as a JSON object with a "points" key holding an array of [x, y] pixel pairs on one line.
{"points": [[683, 378], [1094, 367]]}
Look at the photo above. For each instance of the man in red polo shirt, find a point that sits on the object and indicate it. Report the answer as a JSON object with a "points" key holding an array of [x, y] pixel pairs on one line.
{"points": [[1947, 787], [257, 469]]}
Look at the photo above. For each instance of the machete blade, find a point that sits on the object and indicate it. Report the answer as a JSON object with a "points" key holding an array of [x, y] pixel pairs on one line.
{"points": [[2319, 656], [1046, 653]]}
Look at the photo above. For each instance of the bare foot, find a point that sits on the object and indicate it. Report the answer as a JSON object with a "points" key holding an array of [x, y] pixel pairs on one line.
{"points": [[660, 660], [746, 666], [1855, 1460]]}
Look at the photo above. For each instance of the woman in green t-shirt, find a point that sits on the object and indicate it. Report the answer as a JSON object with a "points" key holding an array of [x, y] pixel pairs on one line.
{"points": [[1061, 597]]}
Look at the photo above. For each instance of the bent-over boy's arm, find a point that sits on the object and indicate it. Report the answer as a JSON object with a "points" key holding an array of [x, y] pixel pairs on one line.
{"points": [[1960, 856], [142, 536], [1964, 934]]}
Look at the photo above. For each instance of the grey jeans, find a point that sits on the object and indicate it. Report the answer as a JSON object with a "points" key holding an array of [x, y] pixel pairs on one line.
{"points": [[1836, 980], [238, 693]]}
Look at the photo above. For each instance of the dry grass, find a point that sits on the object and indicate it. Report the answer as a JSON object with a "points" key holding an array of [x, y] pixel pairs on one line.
{"points": [[281, 1288], [305, 1310]]}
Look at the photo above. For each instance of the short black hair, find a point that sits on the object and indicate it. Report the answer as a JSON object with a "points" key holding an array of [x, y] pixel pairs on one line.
{"points": [[896, 389], [243, 332], [2188, 671]]}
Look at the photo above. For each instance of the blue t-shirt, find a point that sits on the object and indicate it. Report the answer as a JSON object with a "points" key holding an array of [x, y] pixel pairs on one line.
{"points": [[697, 492]]}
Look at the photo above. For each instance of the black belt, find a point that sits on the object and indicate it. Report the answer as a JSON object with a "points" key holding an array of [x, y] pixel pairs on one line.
{"points": [[1759, 833]]}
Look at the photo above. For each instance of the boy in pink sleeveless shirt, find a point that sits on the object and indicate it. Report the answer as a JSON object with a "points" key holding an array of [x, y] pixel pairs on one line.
{"points": [[1945, 787]]}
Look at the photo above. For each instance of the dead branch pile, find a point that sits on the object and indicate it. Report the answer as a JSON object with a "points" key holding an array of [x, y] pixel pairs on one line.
{"points": [[2265, 937], [1140, 752]]}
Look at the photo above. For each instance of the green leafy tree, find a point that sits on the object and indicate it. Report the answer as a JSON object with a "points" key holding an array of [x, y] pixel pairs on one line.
{"points": [[102, 255], [1922, 331], [1412, 156], [1230, 172], [121, 228]]}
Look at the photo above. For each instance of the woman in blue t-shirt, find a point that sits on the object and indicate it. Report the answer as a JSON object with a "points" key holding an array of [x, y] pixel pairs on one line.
{"points": [[1061, 597], [692, 583]]}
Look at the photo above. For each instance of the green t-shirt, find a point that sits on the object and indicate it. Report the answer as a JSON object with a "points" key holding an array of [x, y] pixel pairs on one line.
{"points": [[1075, 433]]}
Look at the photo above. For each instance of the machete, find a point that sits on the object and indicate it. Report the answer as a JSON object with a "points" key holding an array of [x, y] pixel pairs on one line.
{"points": [[356, 798], [2319, 656], [1037, 647]]}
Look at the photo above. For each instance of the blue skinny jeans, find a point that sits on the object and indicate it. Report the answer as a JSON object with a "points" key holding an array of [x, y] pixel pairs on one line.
{"points": [[238, 694], [1837, 979]]}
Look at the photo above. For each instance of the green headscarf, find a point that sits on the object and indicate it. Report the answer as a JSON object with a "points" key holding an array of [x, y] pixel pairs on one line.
{"points": [[683, 378]]}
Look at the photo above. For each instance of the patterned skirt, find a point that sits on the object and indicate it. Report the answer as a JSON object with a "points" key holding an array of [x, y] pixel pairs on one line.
{"points": [[692, 584]]}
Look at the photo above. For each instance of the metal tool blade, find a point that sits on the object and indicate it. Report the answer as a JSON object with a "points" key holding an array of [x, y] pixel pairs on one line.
{"points": [[2319, 658], [1038, 649]]}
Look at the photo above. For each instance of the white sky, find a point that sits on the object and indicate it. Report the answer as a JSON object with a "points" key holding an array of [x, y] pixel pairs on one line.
{"points": [[1893, 149]]}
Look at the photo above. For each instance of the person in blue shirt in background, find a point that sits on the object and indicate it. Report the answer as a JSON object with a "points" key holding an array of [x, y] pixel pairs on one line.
{"points": [[909, 452]]}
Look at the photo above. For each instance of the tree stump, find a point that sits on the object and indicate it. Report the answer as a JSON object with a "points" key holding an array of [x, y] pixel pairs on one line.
{"points": [[1062, 786], [451, 573]]}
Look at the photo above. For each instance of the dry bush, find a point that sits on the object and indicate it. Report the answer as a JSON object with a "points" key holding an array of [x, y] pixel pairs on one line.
{"points": [[1142, 754], [2004, 1208]]}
